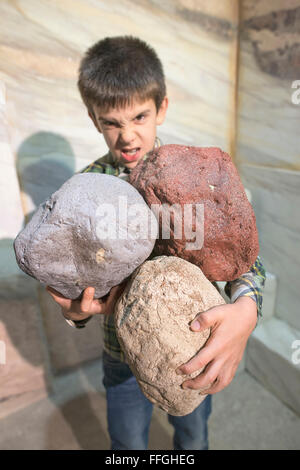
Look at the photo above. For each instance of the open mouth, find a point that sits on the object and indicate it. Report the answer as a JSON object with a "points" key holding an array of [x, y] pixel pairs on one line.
{"points": [[131, 155]]}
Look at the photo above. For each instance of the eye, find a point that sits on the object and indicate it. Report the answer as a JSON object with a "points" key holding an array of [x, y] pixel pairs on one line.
{"points": [[109, 123], [140, 117]]}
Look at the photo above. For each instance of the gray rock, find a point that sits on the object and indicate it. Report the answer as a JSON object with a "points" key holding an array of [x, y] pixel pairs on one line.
{"points": [[152, 323], [94, 231]]}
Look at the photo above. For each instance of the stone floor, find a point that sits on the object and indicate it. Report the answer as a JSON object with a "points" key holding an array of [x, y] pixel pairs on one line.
{"points": [[245, 416]]}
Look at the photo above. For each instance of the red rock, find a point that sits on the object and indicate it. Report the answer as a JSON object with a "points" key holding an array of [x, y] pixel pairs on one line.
{"points": [[176, 174]]}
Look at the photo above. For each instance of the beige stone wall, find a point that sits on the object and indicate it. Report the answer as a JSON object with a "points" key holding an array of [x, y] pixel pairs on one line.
{"points": [[223, 92]]}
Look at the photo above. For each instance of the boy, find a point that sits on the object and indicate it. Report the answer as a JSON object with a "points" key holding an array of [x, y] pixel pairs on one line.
{"points": [[122, 84]]}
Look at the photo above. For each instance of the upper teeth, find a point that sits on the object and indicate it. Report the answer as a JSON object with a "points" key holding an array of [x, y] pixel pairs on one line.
{"points": [[131, 152]]}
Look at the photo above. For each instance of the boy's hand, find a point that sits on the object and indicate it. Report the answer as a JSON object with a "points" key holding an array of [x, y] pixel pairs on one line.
{"points": [[81, 309], [231, 326]]}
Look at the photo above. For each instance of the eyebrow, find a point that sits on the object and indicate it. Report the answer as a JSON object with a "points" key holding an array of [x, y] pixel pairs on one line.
{"points": [[103, 119], [108, 119]]}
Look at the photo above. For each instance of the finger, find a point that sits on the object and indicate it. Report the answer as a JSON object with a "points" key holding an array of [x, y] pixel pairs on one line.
{"points": [[198, 362], [87, 299], [206, 379], [207, 319], [224, 379], [116, 292], [217, 378], [220, 383], [59, 298], [108, 305]]}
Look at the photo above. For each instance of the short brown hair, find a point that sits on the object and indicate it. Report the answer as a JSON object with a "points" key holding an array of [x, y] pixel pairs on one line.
{"points": [[116, 70]]}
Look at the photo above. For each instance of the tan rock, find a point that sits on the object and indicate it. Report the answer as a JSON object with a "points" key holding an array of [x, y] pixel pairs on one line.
{"points": [[152, 322]]}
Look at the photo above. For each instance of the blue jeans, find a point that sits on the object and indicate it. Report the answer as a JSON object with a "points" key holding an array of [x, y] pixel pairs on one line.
{"points": [[129, 413]]}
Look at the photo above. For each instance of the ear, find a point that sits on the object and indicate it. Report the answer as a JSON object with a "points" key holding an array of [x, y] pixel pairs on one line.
{"points": [[162, 111], [93, 118]]}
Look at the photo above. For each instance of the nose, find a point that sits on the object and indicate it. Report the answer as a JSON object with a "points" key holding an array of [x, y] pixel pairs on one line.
{"points": [[126, 135]]}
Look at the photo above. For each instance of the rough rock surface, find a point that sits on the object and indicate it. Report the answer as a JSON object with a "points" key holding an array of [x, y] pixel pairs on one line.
{"points": [[152, 323], [86, 234], [176, 174]]}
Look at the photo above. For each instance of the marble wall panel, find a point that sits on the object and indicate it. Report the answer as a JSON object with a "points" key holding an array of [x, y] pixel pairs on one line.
{"points": [[11, 212], [24, 370], [269, 64], [270, 360], [276, 201], [267, 150]]}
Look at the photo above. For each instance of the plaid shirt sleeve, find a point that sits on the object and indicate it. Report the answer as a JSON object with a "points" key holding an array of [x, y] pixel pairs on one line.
{"points": [[250, 284], [100, 167]]}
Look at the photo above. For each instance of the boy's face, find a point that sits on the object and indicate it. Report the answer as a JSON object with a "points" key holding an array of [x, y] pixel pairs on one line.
{"points": [[130, 132]]}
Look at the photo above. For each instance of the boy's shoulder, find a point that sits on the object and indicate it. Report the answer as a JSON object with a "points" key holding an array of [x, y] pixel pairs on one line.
{"points": [[103, 164]]}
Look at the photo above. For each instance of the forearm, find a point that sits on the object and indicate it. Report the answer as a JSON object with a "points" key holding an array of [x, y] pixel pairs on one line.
{"points": [[248, 307], [250, 284]]}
